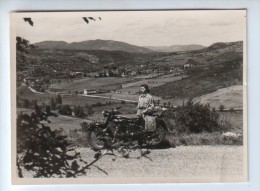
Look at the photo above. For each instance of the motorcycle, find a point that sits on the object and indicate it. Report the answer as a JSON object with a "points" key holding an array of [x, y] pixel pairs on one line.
{"points": [[124, 131]]}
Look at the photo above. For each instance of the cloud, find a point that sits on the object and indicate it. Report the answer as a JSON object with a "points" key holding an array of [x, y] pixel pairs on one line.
{"points": [[144, 28]]}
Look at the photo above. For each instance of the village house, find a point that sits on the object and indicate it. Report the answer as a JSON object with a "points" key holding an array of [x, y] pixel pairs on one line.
{"points": [[93, 91], [89, 92], [30, 80]]}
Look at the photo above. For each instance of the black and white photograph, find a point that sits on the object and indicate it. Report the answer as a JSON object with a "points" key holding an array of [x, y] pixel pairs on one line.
{"points": [[147, 96]]}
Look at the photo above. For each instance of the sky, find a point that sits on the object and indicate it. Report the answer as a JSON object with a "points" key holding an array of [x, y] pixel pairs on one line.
{"points": [[141, 28]]}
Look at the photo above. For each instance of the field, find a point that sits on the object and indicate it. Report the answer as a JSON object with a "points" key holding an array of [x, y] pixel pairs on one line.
{"points": [[123, 85], [108, 83], [82, 101], [230, 97], [25, 93], [134, 87]]}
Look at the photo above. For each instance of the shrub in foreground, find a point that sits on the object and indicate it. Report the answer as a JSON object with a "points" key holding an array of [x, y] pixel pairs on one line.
{"points": [[194, 117]]}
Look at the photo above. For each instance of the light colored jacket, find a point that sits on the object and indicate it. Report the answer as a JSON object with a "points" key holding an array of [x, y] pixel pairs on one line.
{"points": [[145, 104]]}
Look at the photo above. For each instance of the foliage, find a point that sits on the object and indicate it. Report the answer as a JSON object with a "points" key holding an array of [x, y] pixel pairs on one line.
{"points": [[58, 99], [48, 109], [44, 152], [52, 103], [221, 107], [79, 111], [26, 103], [194, 117], [22, 48], [65, 110]]}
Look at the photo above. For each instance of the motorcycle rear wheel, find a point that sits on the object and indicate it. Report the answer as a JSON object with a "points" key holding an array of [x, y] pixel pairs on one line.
{"points": [[94, 138], [159, 135]]}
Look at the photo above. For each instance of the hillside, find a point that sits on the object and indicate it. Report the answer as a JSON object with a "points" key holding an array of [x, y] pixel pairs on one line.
{"points": [[176, 48], [217, 66], [230, 97], [107, 45], [52, 45], [208, 69]]}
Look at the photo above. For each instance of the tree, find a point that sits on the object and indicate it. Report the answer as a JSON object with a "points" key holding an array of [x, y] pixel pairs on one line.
{"points": [[79, 112], [48, 109], [221, 107], [26, 103], [53, 103], [58, 99], [22, 48], [65, 110]]}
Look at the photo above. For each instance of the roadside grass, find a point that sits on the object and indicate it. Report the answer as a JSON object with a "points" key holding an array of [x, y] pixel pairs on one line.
{"points": [[78, 137], [71, 127], [204, 138], [233, 121]]}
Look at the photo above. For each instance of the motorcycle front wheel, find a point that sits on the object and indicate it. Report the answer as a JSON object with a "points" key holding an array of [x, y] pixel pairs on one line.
{"points": [[95, 138], [158, 136]]}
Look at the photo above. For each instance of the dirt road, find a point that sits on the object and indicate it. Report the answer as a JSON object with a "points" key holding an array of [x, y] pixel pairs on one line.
{"points": [[185, 161]]}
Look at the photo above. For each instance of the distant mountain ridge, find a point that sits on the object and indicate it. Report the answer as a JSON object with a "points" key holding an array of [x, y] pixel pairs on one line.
{"points": [[107, 45], [176, 48], [110, 45]]}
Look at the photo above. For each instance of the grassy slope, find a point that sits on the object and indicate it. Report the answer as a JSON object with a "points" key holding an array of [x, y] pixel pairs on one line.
{"points": [[25, 93], [230, 97], [216, 68], [201, 81]]}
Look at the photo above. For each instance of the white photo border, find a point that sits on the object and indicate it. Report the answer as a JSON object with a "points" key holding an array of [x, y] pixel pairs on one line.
{"points": [[253, 42]]}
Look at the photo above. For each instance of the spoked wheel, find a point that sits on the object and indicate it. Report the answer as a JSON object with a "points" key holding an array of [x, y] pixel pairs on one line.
{"points": [[95, 138], [157, 136]]}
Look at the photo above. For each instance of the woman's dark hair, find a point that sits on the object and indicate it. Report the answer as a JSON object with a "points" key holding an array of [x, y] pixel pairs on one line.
{"points": [[146, 87]]}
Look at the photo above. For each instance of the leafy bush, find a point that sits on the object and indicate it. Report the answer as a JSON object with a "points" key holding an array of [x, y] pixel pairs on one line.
{"points": [[79, 112], [65, 110], [221, 107], [194, 117], [53, 103], [41, 150], [44, 152], [58, 99]]}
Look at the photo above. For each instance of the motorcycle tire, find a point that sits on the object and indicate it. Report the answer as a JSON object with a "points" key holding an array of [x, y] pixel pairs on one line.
{"points": [[93, 139], [159, 134]]}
